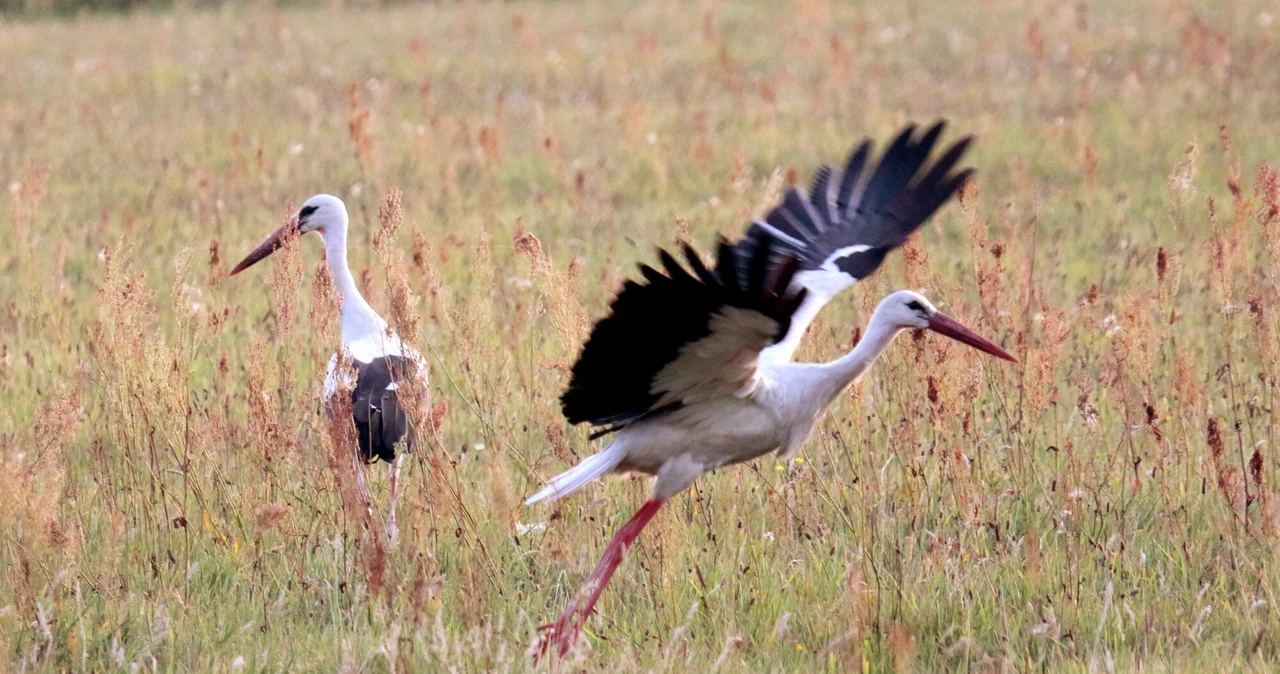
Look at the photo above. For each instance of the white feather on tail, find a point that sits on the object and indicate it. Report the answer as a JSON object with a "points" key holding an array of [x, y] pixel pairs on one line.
{"points": [[577, 477]]}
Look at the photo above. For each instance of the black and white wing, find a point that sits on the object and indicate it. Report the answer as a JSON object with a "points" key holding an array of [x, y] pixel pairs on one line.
{"points": [[683, 336], [852, 219], [375, 403]]}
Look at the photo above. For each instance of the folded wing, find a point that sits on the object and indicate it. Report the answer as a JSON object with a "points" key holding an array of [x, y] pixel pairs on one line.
{"points": [[376, 406]]}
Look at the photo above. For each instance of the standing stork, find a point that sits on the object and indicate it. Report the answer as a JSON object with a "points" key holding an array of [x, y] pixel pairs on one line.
{"points": [[693, 366], [380, 362]]}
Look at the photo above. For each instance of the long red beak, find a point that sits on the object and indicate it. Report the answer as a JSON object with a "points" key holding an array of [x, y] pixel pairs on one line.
{"points": [[273, 243], [946, 325]]}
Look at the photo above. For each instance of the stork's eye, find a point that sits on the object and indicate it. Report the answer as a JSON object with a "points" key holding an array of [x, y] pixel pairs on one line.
{"points": [[915, 305], [306, 211]]}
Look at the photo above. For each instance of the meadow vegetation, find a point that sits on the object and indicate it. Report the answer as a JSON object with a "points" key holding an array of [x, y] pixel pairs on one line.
{"points": [[172, 497]]}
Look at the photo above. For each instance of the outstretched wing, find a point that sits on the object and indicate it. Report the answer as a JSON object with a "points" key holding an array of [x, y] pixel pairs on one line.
{"points": [[853, 218], [683, 335]]}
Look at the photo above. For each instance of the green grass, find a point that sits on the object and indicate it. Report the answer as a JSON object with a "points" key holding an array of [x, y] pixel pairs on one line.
{"points": [[1032, 518]]}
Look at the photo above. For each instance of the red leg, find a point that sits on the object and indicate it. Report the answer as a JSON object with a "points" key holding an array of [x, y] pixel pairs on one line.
{"points": [[565, 630]]}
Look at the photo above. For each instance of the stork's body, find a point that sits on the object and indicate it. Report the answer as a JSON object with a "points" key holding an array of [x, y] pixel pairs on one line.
{"points": [[378, 364], [775, 412], [693, 368]]}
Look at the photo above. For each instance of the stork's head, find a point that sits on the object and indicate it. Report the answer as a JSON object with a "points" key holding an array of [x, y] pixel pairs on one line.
{"points": [[907, 310], [322, 213]]}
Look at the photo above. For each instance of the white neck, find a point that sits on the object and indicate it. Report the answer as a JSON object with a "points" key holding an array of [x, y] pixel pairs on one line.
{"points": [[358, 319], [820, 287], [838, 374], [783, 351]]}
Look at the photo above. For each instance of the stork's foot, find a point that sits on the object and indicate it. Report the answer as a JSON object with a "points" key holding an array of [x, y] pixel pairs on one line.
{"points": [[559, 635]]}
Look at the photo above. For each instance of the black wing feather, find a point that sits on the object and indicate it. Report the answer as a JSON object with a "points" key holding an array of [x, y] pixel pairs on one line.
{"points": [[853, 174], [674, 270], [375, 405], [695, 261], [612, 382], [879, 212], [756, 274], [820, 190]]}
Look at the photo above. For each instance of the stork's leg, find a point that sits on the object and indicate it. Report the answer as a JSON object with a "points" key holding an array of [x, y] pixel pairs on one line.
{"points": [[393, 470], [565, 630]]}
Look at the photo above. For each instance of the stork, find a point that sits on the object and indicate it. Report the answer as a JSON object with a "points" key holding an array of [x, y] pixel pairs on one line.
{"points": [[692, 368], [377, 362]]}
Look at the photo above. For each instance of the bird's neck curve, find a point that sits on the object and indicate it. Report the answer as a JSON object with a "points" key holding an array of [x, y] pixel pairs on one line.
{"points": [[782, 352], [357, 318], [841, 372]]}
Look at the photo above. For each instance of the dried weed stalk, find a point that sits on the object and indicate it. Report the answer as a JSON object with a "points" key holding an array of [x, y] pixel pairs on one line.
{"points": [[567, 314]]}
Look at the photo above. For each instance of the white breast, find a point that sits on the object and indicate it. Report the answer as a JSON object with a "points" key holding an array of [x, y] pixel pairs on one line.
{"points": [[366, 349]]}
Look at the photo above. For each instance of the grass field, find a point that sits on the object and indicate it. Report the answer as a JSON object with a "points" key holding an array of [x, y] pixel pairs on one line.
{"points": [[169, 494]]}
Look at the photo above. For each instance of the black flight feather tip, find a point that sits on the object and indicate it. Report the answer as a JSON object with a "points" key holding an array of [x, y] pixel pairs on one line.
{"points": [[875, 207]]}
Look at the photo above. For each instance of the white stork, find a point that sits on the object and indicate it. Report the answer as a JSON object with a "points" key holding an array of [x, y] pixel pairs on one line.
{"points": [[693, 366], [379, 361]]}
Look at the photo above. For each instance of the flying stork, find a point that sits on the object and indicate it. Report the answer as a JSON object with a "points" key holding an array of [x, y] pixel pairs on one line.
{"points": [[692, 368], [380, 362]]}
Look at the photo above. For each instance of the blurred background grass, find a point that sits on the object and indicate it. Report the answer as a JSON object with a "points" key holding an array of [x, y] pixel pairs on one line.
{"points": [[168, 499]]}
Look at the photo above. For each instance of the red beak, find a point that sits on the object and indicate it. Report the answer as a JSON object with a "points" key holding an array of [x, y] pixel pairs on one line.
{"points": [[946, 325], [273, 243]]}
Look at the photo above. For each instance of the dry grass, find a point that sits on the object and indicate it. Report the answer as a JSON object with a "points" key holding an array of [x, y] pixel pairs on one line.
{"points": [[172, 499]]}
